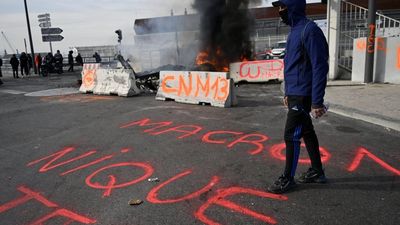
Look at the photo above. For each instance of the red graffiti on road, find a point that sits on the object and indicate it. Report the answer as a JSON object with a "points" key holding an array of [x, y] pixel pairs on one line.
{"points": [[58, 211], [266, 69], [276, 152], [220, 200], [148, 171], [153, 194], [362, 153], [111, 181], [158, 128], [54, 157]]}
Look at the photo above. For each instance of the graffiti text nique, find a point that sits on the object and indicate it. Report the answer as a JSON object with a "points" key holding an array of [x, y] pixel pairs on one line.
{"points": [[112, 180]]}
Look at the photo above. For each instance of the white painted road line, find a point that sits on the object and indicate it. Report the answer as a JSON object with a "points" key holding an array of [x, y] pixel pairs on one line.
{"points": [[14, 92]]}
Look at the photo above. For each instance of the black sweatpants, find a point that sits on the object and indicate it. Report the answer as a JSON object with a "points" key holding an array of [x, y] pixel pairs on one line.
{"points": [[299, 125]]}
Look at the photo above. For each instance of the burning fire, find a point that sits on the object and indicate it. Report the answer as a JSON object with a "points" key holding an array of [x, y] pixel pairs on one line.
{"points": [[202, 58], [216, 59]]}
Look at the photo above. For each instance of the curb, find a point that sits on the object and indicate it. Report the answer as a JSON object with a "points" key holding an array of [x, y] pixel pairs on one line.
{"points": [[344, 84], [370, 118]]}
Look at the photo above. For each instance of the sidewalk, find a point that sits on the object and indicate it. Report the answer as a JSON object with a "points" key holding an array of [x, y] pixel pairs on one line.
{"points": [[374, 103]]}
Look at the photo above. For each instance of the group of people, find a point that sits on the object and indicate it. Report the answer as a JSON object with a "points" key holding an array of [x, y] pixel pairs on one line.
{"points": [[49, 62], [1, 73], [24, 62]]}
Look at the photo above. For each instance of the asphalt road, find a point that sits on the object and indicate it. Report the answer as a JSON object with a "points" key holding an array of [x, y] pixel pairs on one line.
{"points": [[79, 159]]}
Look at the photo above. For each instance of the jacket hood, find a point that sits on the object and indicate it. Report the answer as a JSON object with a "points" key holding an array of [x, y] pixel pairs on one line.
{"points": [[296, 10]]}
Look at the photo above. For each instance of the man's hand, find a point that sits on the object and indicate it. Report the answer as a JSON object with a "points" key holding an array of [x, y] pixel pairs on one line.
{"points": [[285, 101], [318, 112]]}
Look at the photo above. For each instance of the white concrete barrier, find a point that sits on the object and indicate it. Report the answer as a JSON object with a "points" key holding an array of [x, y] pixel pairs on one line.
{"points": [[386, 61], [257, 71], [195, 87], [89, 77], [101, 81]]}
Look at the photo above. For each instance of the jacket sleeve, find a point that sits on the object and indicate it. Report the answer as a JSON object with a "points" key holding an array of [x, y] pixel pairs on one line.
{"points": [[318, 52]]}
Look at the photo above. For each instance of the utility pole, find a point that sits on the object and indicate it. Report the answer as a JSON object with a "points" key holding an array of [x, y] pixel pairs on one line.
{"points": [[370, 52], [174, 19], [30, 36], [26, 49]]}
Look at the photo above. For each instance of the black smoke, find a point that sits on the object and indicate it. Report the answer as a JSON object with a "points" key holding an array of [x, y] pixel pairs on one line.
{"points": [[225, 30]]}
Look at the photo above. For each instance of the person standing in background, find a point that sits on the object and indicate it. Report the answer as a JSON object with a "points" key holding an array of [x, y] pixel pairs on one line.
{"points": [[1, 74], [58, 59], [97, 57], [14, 64], [79, 59], [1, 64], [70, 62], [23, 60], [30, 65], [38, 62]]}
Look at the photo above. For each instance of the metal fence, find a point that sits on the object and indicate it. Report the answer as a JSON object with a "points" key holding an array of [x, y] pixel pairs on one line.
{"points": [[354, 24]]}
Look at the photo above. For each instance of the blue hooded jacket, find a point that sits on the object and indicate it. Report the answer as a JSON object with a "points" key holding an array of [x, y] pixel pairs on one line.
{"points": [[305, 75]]}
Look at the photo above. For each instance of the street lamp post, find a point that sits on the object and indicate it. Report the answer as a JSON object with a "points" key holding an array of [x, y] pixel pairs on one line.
{"points": [[30, 37], [369, 61]]}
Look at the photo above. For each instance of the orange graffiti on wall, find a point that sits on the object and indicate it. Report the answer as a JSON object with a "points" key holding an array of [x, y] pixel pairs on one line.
{"points": [[88, 78], [371, 38], [398, 57], [361, 45], [195, 85]]}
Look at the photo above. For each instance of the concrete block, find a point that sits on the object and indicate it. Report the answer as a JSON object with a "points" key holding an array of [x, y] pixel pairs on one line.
{"points": [[89, 77], [386, 60], [257, 71], [101, 81], [115, 81], [195, 87]]}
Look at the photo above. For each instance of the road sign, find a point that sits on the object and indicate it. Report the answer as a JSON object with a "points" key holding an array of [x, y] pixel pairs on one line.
{"points": [[45, 19], [52, 30], [46, 24], [44, 15], [51, 38]]}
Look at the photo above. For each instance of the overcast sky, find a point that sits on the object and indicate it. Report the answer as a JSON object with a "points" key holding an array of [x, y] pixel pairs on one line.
{"points": [[85, 22]]}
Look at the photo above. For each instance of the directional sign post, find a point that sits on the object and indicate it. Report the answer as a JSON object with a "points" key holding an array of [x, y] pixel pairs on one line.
{"points": [[49, 34], [44, 19], [44, 15], [51, 38], [51, 30], [45, 24]]}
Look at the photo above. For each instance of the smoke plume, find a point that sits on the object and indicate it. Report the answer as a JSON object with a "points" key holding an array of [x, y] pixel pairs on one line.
{"points": [[225, 29]]}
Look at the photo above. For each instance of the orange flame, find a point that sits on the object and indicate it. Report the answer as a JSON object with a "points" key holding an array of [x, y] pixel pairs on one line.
{"points": [[202, 58], [216, 59]]}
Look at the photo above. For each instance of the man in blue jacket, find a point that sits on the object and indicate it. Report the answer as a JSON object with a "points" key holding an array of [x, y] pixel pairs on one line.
{"points": [[306, 70]]}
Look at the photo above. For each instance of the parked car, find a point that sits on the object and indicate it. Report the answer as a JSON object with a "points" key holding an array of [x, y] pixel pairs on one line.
{"points": [[263, 55], [278, 52]]}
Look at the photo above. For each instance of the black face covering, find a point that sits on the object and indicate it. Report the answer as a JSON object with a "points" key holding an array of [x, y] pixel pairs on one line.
{"points": [[284, 16]]}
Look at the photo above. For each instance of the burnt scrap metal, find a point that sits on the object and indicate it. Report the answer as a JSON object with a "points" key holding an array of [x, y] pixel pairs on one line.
{"points": [[124, 63], [151, 79], [148, 80]]}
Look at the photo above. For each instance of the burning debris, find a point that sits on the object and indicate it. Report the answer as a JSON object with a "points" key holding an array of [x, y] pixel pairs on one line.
{"points": [[224, 33]]}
